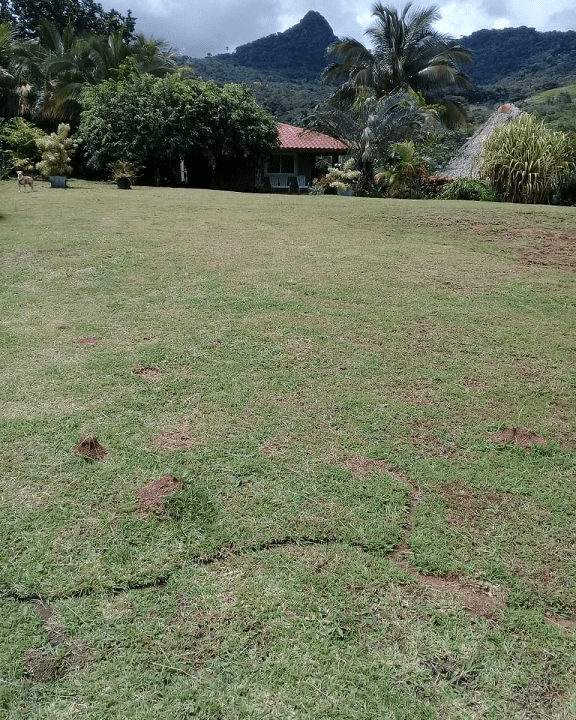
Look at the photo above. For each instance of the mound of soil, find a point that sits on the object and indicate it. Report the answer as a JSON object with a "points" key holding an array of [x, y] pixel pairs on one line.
{"points": [[89, 447], [519, 436], [152, 497]]}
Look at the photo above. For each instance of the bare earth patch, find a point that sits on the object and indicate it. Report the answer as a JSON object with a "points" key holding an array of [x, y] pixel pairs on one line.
{"points": [[542, 246], [86, 341], [476, 384], [152, 497], [41, 666], [148, 372], [89, 447], [519, 436], [477, 600], [174, 440], [64, 655]]}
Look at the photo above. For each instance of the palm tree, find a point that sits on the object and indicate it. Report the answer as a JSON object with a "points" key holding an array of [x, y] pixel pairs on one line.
{"points": [[370, 128], [8, 94], [408, 54], [57, 64]]}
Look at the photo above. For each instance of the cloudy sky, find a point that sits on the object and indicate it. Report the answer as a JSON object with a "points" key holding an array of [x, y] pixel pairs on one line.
{"points": [[198, 27]]}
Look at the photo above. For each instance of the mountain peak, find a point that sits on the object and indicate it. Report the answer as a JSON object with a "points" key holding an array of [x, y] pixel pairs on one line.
{"points": [[297, 49]]}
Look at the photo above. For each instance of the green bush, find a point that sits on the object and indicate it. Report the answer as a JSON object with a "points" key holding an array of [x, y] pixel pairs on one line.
{"points": [[20, 138], [467, 188], [565, 193]]}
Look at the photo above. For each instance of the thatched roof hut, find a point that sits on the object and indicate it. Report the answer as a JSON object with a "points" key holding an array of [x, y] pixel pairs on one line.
{"points": [[465, 164]]}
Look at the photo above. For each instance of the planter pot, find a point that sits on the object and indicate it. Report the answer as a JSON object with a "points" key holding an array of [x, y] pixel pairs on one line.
{"points": [[124, 183], [347, 193], [58, 181]]}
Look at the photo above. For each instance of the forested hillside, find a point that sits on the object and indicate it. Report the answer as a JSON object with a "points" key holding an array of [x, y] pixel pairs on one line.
{"points": [[284, 69]]}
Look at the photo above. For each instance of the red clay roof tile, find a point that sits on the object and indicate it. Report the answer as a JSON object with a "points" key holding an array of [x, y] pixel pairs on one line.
{"points": [[295, 138]]}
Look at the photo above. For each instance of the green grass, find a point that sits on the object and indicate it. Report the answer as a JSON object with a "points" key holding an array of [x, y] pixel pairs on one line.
{"points": [[289, 337]]}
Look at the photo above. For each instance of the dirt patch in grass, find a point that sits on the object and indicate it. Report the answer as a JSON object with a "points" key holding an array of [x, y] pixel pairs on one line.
{"points": [[148, 372], [519, 436], [475, 599], [547, 247], [476, 384], [152, 497], [89, 447], [86, 341], [63, 654], [276, 448], [42, 667], [529, 373], [174, 440]]}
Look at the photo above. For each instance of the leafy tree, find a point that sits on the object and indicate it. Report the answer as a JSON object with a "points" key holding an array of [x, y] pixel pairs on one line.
{"points": [[156, 122], [408, 54], [84, 15], [8, 95], [524, 160]]}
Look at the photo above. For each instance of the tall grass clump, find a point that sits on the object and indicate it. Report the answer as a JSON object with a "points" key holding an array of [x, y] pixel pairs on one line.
{"points": [[524, 160]]}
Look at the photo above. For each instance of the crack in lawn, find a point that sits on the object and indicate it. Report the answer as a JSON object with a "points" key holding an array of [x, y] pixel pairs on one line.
{"points": [[474, 599]]}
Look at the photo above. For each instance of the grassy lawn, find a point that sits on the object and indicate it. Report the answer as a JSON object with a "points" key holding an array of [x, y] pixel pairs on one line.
{"points": [[322, 378]]}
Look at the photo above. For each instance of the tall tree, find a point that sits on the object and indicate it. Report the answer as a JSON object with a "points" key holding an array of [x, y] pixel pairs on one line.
{"points": [[25, 16], [370, 128], [408, 54], [156, 122]]}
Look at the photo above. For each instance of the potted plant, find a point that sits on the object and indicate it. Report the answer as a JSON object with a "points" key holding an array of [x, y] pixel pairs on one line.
{"points": [[124, 174], [56, 150], [342, 177]]}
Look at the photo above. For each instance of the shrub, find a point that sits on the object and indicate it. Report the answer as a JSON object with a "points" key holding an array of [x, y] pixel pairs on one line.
{"points": [[467, 188], [403, 177], [565, 193], [20, 138], [317, 187], [341, 178], [524, 160], [56, 149]]}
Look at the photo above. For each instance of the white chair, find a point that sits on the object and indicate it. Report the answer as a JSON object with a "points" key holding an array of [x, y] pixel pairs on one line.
{"points": [[302, 184], [278, 181]]}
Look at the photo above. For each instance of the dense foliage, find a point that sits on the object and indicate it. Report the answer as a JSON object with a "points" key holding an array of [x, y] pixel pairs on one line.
{"points": [[565, 192], [466, 188], [370, 128], [156, 122], [524, 160], [288, 100], [84, 15], [19, 138], [54, 66]]}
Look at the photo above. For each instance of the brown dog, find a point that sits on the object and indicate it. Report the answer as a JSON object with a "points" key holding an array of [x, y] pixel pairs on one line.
{"points": [[25, 181]]}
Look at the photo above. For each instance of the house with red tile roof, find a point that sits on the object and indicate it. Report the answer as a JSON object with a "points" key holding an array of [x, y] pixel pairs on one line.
{"points": [[292, 166]]}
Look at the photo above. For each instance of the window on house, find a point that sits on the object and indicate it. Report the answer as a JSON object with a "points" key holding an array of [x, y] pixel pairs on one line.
{"points": [[281, 164]]}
